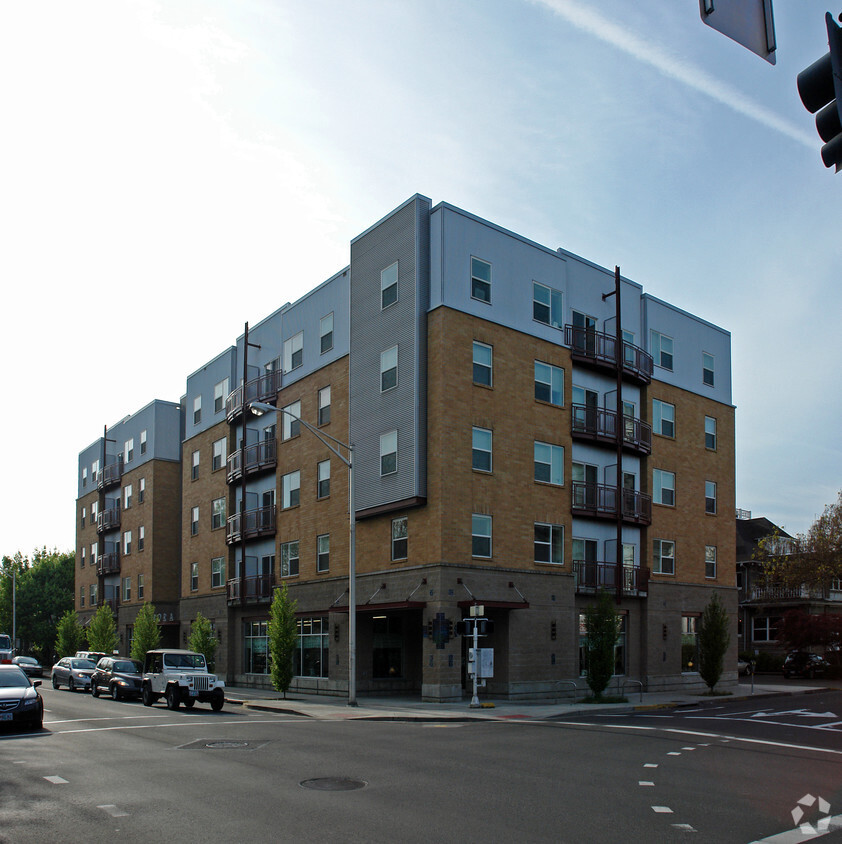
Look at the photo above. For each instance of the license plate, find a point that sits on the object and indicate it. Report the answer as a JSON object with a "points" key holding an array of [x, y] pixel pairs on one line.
{"points": [[194, 693], [6, 716]]}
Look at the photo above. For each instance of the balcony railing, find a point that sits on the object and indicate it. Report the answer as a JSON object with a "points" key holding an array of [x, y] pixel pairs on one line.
{"points": [[108, 519], [600, 501], [251, 524], [599, 425], [265, 389], [252, 459], [591, 576], [108, 563], [786, 593], [587, 345], [113, 603], [257, 588], [111, 475]]}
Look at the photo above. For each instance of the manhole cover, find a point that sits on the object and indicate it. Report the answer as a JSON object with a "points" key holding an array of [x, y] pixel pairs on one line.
{"points": [[223, 745], [333, 784]]}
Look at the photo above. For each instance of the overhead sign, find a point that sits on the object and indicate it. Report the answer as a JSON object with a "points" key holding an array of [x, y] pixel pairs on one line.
{"points": [[748, 22]]}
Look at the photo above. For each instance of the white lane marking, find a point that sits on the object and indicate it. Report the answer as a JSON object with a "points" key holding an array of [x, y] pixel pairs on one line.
{"points": [[796, 835], [56, 780], [662, 810], [673, 753], [113, 811], [646, 783], [92, 720], [688, 748], [684, 827], [651, 765], [192, 722]]}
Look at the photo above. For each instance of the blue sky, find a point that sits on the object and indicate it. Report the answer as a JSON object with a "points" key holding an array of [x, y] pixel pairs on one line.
{"points": [[171, 170]]}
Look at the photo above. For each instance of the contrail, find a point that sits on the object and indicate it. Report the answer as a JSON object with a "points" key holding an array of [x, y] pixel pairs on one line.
{"points": [[672, 67]]}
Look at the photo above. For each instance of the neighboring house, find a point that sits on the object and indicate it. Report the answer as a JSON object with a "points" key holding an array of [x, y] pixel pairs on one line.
{"points": [[476, 374]]}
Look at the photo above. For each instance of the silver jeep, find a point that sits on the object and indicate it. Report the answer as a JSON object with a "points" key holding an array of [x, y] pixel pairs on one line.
{"points": [[180, 677]]}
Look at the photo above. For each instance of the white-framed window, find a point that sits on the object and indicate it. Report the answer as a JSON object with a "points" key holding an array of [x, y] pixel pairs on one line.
{"points": [[194, 468], [84, 516], [289, 559], [218, 513], [400, 538], [94, 511], [324, 405], [220, 448], [194, 577], [220, 393], [326, 333], [764, 628], [389, 369], [710, 497], [291, 489], [707, 369], [481, 439], [389, 286], [194, 521], [140, 587], [197, 410], [94, 594], [94, 552], [84, 476], [710, 561], [81, 596], [482, 364], [217, 572], [480, 535], [663, 487], [323, 482], [549, 543], [710, 433], [127, 496], [128, 450], [546, 305], [549, 383], [82, 561], [127, 589], [323, 552], [127, 542], [690, 643], [143, 441], [549, 463], [389, 453], [290, 425], [141, 537], [141, 490], [663, 556], [481, 280], [663, 418], [662, 349], [294, 352]]}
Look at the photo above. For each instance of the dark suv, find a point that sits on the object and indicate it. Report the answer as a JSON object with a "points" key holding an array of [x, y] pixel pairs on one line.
{"points": [[122, 677], [802, 664]]}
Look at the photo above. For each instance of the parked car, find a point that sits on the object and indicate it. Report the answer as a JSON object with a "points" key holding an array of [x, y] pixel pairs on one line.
{"points": [[73, 672], [31, 667], [745, 667], [93, 656], [803, 664], [121, 677], [20, 702], [179, 677]]}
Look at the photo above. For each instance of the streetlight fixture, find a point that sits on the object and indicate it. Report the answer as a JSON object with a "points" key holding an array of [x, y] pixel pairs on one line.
{"points": [[259, 408]]}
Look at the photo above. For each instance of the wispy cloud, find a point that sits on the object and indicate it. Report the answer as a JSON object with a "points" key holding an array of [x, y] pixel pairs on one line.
{"points": [[672, 66]]}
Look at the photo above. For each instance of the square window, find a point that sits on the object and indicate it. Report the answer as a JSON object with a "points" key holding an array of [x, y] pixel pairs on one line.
{"points": [[294, 352], [217, 572], [389, 369], [549, 383], [482, 364], [291, 489], [546, 305], [549, 463], [663, 418], [389, 286], [662, 349], [326, 333], [663, 487], [480, 280], [323, 489], [481, 449], [710, 561], [549, 543], [663, 556], [710, 498], [707, 369], [324, 405], [323, 552], [389, 453], [400, 533], [289, 559], [710, 432], [480, 535]]}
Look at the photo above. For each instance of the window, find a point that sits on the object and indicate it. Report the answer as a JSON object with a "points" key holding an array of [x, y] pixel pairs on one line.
{"points": [[663, 418], [663, 556], [127, 542], [291, 424], [141, 537], [291, 489], [661, 349], [256, 647], [482, 364], [194, 521], [84, 515], [141, 490], [549, 383], [481, 449], [127, 496], [389, 369], [710, 432], [94, 509], [480, 535], [323, 552], [480, 280], [619, 646], [85, 476], [294, 352], [128, 450], [389, 453], [220, 393], [94, 594], [546, 305], [710, 561], [710, 497], [127, 589], [689, 643], [387, 647], [400, 538], [219, 454], [94, 551], [549, 543], [140, 587], [194, 577], [389, 286], [217, 572], [143, 442], [663, 487], [326, 333], [218, 513], [324, 405], [197, 410], [194, 472], [323, 483], [82, 561], [707, 369], [549, 463], [311, 652], [289, 559], [764, 629]]}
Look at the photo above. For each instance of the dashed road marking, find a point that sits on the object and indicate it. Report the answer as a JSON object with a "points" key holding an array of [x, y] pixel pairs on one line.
{"points": [[56, 780], [662, 810], [646, 783], [113, 811]]}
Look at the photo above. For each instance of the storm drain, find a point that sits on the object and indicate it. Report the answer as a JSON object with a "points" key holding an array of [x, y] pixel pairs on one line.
{"points": [[333, 784], [226, 745]]}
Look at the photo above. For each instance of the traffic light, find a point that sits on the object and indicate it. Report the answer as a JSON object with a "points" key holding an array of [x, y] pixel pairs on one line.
{"points": [[820, 89]]}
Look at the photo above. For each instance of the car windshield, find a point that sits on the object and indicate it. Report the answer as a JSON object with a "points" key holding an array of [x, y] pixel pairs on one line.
{"points": [[81, 663], [127, 666], [184, 661], [11, 679], [5, 643]]}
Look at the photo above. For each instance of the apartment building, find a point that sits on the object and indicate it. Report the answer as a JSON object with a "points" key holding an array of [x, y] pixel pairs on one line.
{"points": [[506, 454]]}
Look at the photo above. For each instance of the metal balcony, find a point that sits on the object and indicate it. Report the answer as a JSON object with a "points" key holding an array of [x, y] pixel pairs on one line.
{"points": [[256, 587], [251, 460], [598, 349], [265, 389], [110, 475], [251, 524], [598, 425], [108, 520], [591, 576], [599, 501], [108, 563]]}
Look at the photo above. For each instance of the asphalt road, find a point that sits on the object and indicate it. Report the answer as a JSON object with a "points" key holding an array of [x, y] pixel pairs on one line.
{"points": [[103, 770]]}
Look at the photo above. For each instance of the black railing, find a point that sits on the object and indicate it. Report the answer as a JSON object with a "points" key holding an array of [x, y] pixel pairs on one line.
{"points": [[265, 389], [595, 423], [108, 563], [252, 459], [256, 587], [251, 524], [600, 349], [600, 501], [110, 475], [591, 576], [108, 519]]}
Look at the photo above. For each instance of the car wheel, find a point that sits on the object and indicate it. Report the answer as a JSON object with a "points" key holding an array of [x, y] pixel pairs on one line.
{"points": [[217, 700], [71, 686], [146, 696], [188, 703], [172, 697], [55, 681], [94, 689], [115, 692]]}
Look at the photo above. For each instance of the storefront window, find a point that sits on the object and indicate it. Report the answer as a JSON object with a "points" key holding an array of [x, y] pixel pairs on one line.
{"points": [[619, 646], [311, 655], [387, 655], [689, 643], [256, 648]]}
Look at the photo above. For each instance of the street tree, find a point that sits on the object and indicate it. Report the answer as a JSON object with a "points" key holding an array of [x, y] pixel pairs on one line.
{"points": [[69, 635], [601, 628], [202, 639], [801, 631], [714, 638], [146, 635], [102, 633], [283, 633]]}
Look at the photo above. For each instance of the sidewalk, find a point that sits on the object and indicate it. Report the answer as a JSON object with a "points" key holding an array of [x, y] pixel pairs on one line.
{"points": [[410, 709]]}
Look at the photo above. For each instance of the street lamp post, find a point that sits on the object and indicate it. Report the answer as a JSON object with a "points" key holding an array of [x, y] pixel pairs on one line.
{"points": [[333, 444]]}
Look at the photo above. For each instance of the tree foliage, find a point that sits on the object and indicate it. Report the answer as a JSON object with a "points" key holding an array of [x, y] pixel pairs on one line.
{"points": [[714, 638], [146, 635], [102, 632], [601, 626], [69, 636], [202, 639], [283, 635], [801, 631]]}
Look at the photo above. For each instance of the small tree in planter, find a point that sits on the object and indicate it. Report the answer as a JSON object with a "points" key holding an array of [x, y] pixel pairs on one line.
{"points": [[202, 639], [283, 634], [102, 632], [68, 635], [601, 628], [714, 639], [147, 634]]}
